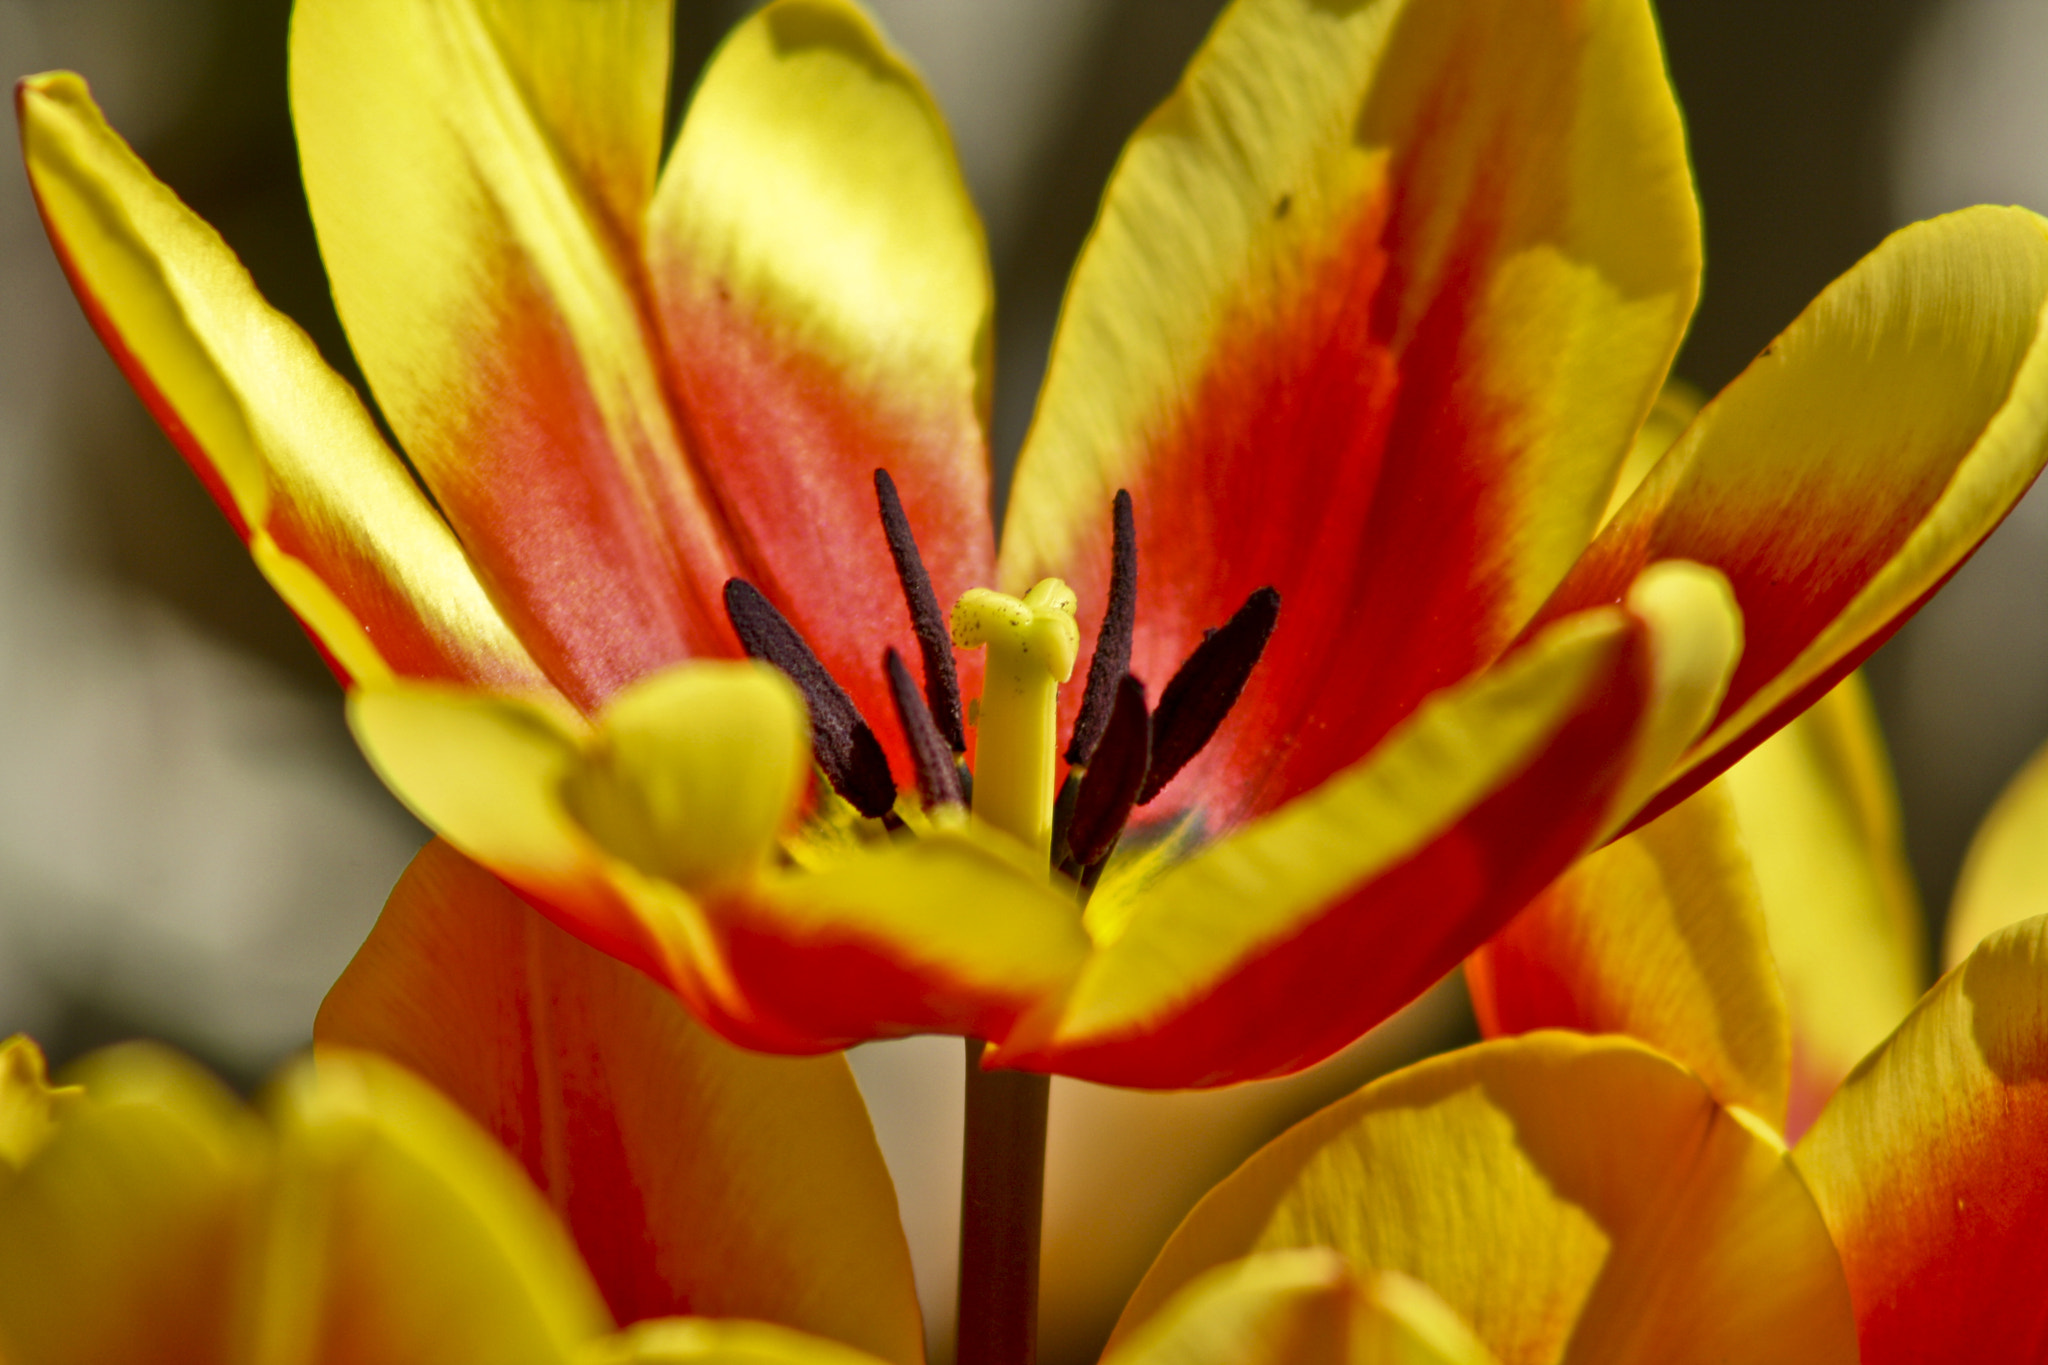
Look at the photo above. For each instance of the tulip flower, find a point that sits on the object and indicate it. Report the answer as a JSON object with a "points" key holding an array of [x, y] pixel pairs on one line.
{"points": [[1925, 1155], [1374, 308]]}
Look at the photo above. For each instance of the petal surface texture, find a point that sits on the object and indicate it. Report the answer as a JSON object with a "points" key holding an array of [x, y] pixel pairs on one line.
{"points": [[1852, 467], [621, 396], [1573, 1199], [30, 1106], [1373, 308], [477, 174], [1301, 1307], [692, 1173], [279, 439], [824, 298], [1659, 936], [1364, 893], [396, 1230], [1927, 1163], [2005, 876], [119, 1240], [1820, 817]]}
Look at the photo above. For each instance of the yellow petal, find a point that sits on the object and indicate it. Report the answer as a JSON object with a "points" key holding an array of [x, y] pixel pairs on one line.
{"points": [[1820, 819], [2005, 876], [30, 1107], [824, 299], [695, 771], [478, 172], [484, 771], [1927, 1164], [679, 1341], [695, 1176], [279, 439], [1358, 896], [1848, 471], [1659, 936], [119, 1241], [397, 1230], [1571, 1198]]}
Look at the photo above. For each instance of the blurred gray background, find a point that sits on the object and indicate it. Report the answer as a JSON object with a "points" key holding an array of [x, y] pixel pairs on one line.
{"points": [[190, 848]]}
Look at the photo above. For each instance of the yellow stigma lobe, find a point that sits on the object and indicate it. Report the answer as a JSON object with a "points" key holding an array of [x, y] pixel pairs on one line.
{"points": [[1032, 644]]}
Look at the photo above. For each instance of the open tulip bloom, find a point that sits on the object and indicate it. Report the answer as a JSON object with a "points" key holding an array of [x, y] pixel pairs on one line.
{"points": [[1376, 304]]}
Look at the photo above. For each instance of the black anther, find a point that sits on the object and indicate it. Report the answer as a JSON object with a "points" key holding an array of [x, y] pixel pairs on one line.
{"points": [[844, 745], [938, 779], [934, 641], [1110, 784], [1206, 687], [1112, 659]]}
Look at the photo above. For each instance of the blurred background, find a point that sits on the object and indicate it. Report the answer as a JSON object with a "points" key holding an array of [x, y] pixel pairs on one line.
{"points": [[189, 847]]}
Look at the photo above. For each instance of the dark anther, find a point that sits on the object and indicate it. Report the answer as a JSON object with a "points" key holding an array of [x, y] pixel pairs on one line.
{"points": [[1206, 687], [934, 641], [1113, 643], [844, 745], [1111, 783], [938, 780]]}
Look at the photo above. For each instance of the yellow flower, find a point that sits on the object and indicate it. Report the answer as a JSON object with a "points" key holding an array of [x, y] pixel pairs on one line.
{"points": [[1375, 306]]}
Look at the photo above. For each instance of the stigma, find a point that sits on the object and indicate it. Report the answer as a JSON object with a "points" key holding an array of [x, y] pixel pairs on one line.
{"points": [[1032, 644]]}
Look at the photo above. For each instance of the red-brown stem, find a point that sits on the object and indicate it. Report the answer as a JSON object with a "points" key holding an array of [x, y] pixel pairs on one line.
{"points": [[1002, 1189]]}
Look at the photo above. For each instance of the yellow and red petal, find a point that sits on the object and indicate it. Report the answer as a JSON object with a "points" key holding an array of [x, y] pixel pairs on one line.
{"points": [[1568, 1197], [1659, 936], [1374, 306], [120, 1239], [1927, 1164], [478, 173], [823, 295], [1843, 476], [689, 1172], [1323, 918], [395, 1229], [2005, 876], [1820, 818], [281, 442]]}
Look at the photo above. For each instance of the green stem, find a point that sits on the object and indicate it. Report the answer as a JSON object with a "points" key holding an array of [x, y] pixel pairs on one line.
{"points": [[1002, 1190]]}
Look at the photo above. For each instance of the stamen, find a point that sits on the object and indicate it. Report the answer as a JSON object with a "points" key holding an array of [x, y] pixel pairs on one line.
{"points": [[1110, 785], [1206, 687], [840, 738], [938, 780], [941, 680], [1112, 658]]}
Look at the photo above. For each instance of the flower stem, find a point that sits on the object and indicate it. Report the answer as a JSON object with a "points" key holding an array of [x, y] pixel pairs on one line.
{"points": [[1002, 1189]]}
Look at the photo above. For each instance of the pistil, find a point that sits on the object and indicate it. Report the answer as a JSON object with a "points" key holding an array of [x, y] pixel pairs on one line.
{"points": [[1032, 643]]}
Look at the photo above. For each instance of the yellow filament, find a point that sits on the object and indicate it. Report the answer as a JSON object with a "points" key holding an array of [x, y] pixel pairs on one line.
{"points": [[1032, 645]]}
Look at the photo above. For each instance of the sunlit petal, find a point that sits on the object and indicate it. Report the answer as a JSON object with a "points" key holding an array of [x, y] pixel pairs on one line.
{"points": [[1852, 467], [1373, 307], [279, 439], [824, 298], [1571, 1198]]}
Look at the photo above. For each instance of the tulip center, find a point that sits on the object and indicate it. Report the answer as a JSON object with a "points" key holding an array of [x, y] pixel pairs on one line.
{"points": [[1121, 753]]}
